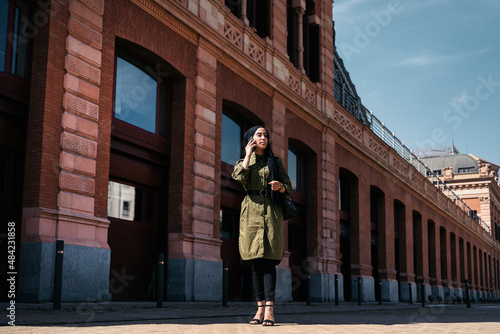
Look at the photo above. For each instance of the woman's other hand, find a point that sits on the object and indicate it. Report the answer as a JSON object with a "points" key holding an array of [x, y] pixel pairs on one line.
{"points": [[277, 186]]}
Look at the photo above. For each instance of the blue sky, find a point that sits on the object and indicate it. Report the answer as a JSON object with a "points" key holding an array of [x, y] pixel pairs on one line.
{"points": [[427, 68]]}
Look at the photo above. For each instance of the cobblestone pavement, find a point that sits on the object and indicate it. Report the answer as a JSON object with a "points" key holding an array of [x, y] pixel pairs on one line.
{"points": [[205, 318]]}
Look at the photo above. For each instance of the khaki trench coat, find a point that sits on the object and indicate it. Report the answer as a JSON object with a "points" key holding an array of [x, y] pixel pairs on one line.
{"points": [[261, 221]]}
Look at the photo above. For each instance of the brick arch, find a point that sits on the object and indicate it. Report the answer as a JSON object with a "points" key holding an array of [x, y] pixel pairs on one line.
{"points": [[304, 231], [128, 18]]}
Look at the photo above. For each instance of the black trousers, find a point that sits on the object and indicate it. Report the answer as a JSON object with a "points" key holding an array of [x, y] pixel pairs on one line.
{"points": [[264, 279]]}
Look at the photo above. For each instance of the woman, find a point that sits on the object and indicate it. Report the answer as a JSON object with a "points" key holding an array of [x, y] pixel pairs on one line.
{"points": [[261, 241]]}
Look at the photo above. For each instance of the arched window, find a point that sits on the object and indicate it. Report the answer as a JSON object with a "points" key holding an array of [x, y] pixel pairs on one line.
{"points": [[140, 95], [231, 139], [146, 89], [296, 169]]}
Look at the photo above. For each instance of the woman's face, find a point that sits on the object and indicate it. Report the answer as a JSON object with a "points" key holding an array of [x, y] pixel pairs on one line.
{"points": [[261, 139]]}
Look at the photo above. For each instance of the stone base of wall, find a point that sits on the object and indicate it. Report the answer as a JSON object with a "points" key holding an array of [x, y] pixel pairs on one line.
{"points": [[283, 285], [427, 292], [389, 291], [437, 291], [323, 287], [367, 289], [194, 280], [85, 273], [408, 290]]}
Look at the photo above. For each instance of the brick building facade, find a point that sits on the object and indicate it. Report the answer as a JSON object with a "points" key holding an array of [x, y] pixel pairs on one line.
{"points": [[126, 123]]}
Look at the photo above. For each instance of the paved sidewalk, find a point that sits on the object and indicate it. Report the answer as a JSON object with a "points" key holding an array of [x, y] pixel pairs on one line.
{"points": [[207, 318], [92, 312]]}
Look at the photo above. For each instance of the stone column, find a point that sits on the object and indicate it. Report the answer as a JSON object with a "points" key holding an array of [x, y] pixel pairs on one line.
{"points": [[361, 245], [194, 264], [325, 263], [422, 258], [279, 26], [470, 265], [448, 281], [463, 264], [486, 274], [480, 272], [387, 265], [475, 271], [74, 218], [435, 260], [455, 263], [407, 276], [244, 17]]}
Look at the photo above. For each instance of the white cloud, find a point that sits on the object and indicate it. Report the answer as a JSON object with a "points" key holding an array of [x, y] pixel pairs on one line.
{"points": [[421, 60], [345, 6], [428, 58]]}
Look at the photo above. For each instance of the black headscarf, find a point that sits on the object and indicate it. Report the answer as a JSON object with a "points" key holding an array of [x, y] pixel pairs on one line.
{"points": [[268, 153]]}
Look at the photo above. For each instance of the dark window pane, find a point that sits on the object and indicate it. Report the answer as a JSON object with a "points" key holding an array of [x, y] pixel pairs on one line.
{"points": [[344, 194], [3, 174], [227, 219], [234, 6], [4, 24], [292, 169], [138, 217], [15, 39], [136, 95], [20, 42], [231, 141]]}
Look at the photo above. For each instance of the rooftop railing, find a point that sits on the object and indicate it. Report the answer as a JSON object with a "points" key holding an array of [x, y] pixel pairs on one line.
{"points": [[390, 139], [367, 118]]}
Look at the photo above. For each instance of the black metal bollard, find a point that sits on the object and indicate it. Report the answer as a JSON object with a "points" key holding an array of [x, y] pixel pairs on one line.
{"points": [[225, 273], [359, 290], [159, 279], [422, 294], [467, 295], [58, 275], [411, 295], [308, 288], [336, 290]]}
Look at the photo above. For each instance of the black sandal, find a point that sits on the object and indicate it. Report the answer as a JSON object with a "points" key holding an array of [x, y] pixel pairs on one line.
{"points": [[267, 322], [257, 321]]}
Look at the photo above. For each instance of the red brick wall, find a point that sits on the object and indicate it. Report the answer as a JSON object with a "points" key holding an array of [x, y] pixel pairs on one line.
{"points": [[44, 125], [105, 111], [232, 87]]}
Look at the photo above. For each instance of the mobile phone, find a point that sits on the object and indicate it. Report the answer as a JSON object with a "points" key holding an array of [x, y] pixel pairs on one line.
{"points": [[253, 148]]}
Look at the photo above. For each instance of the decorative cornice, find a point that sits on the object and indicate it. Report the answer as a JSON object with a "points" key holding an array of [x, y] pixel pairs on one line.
{"points": [[167, 18], [207, 45]]}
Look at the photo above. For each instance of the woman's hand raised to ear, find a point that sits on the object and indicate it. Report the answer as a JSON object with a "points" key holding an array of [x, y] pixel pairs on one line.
{"points": [[248, 152], [250, 147]]}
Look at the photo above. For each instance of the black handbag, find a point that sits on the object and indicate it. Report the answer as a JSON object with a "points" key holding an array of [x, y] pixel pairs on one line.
{"points": [[287, 208]]}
